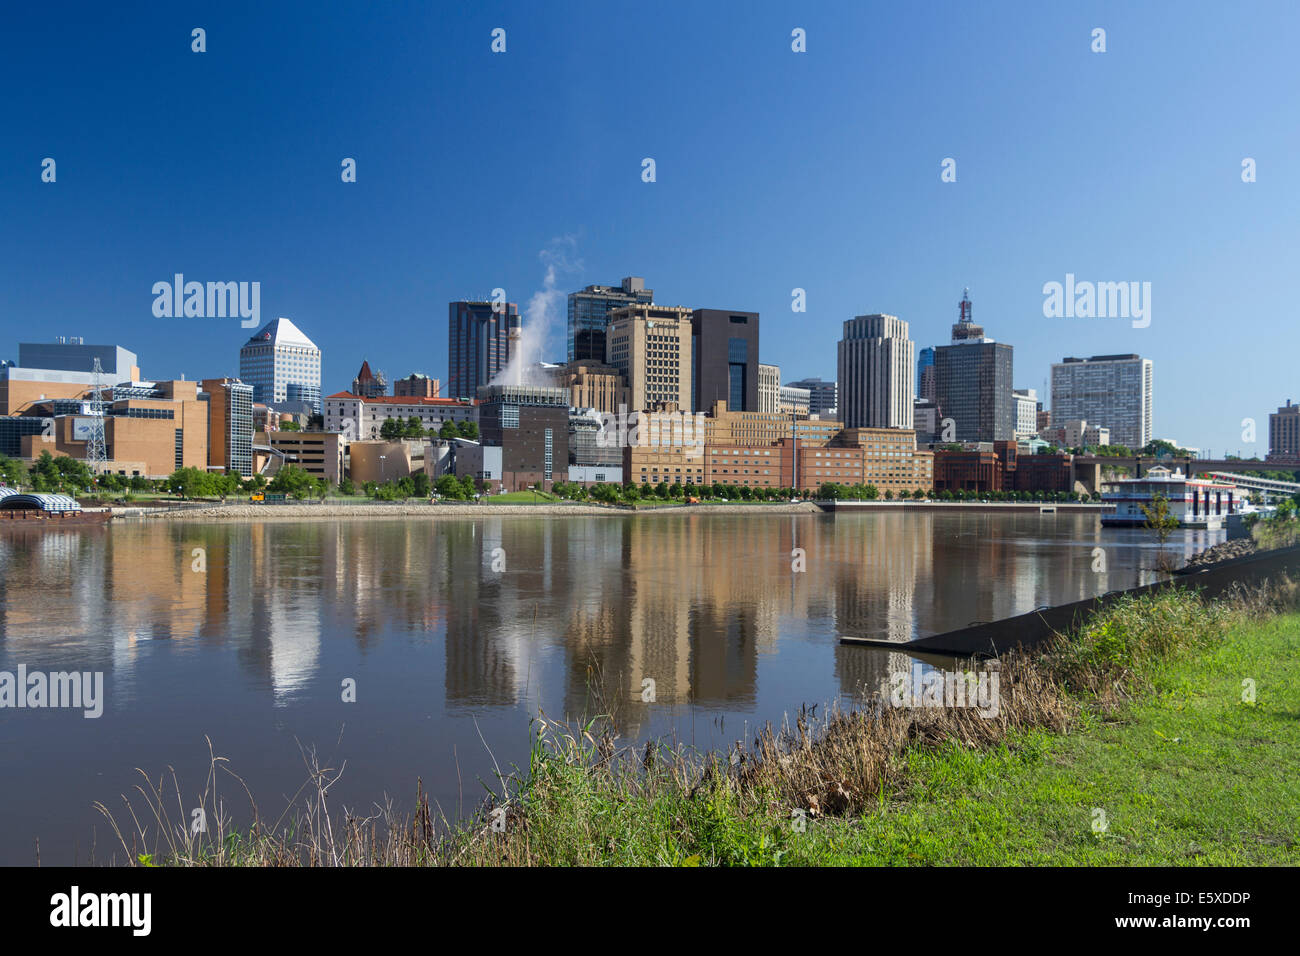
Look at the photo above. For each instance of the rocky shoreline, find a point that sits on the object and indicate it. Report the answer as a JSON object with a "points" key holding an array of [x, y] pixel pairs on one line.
{"points": [[1224, 551]]}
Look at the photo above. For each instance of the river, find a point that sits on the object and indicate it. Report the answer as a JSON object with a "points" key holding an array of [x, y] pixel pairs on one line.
{"points": [[456, 631]]}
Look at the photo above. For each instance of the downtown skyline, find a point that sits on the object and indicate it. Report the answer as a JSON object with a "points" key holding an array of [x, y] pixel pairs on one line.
{"points": [[767, 182]]}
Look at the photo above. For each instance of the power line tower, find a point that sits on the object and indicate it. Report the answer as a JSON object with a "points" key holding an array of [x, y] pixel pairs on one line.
{"points": [[96, 445]]}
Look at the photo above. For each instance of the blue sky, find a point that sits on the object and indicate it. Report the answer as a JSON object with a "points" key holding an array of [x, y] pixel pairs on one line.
{"points": [[775, 170]]}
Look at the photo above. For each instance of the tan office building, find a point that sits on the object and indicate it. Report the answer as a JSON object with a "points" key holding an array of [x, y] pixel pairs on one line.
{"points": [[593, 384], [722, 426], [147, 436], [320, 454], [650, 346]]}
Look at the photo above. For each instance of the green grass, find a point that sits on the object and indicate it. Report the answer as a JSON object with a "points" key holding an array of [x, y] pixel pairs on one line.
{"points": [[1187, 775], [524, 498]]}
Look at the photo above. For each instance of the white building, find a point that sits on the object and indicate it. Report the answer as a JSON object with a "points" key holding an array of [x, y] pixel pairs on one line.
{"points": [[769, 388], [361, 419], [1193, 502], [282, 365], [1026, 412], [876, 373], [1076, 433], [1115, 389], [794, 401]]}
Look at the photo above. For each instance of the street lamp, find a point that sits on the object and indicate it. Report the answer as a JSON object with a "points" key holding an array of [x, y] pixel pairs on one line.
{"points": [[383, 469]]}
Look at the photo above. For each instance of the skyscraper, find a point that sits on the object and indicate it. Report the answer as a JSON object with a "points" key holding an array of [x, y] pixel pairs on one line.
{"points": [[282, 365], [972, 382], [589, 312], [1284, 433], [724, 359], [650, 345], [925, 375], [1114, 391], [478, 344], [875, 373]]}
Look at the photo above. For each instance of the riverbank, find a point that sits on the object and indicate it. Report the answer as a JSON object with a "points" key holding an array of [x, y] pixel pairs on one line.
{"points": [[378, 510], [1160, 732]]}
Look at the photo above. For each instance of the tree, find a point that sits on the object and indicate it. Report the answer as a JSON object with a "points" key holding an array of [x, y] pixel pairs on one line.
{"points": [[448, 430], [391, 429], [468, 430], [1160, 448], [467, 486], [448, 487], [414, 428], [295, 482], [422, 487], [12, 471], [190, 483], [1161, 522]]}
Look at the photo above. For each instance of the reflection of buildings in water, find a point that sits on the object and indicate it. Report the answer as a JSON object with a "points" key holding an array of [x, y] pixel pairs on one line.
{"points": [[480, 669], [864, 671], [52, 584], [686, 601], [294, 636], [878, 561]]}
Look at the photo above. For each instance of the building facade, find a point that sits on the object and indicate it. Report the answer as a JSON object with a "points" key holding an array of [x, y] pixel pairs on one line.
{"points": [[369, 385], [650, 346], [230, 425], [593, 384], [793, 402], [875, 373], [1116, 391], [769, 389], [320, 454], [1027, 406], [479, 343], [724, 360], [531, 426], [823, 396], [416, 385], [1284, 433], [589, 312], [359, 419], [972, 382], [282, 365], [61, 369], [925, 374]]}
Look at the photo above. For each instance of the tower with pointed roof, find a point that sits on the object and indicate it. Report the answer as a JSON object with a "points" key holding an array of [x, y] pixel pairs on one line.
{"points": [[369, 385], [283, 366]]}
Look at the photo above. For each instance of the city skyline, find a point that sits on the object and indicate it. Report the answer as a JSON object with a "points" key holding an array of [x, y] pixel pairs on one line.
{"points": [[266, 203]]}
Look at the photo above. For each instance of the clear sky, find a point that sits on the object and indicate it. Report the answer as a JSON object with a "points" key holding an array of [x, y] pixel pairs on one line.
{"points": [[775, 170]]}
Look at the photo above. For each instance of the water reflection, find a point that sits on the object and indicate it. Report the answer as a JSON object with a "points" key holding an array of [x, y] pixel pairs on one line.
{"points": [[257, 636]]}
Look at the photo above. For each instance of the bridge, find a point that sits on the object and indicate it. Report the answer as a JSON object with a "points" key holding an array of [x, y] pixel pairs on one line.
{"points": [[1265, 486], [1088, 468]]}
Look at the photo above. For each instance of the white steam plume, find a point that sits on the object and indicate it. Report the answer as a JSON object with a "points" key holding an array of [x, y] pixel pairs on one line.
{"points": [[540, 317]]}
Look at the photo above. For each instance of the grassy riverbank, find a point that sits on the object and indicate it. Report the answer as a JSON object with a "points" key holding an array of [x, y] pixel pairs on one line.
{"points": [[1131, 742]]}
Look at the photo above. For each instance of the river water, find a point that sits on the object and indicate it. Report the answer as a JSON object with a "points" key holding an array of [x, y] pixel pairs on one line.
{"points": [[456, 631]]}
